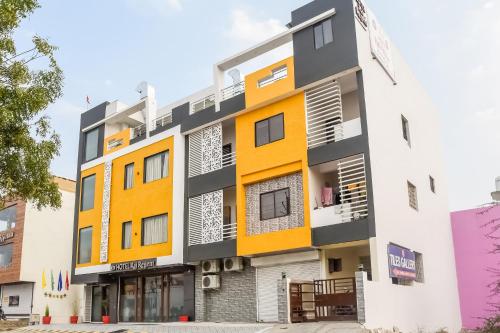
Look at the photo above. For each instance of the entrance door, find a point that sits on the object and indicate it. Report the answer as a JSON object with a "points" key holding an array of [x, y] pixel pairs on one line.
{"points": [[100, 303], [176, 297], [152, 298], [128, 299]]}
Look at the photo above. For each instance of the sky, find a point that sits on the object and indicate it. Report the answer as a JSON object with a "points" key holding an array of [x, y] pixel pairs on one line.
{"points": [[107, 47]]}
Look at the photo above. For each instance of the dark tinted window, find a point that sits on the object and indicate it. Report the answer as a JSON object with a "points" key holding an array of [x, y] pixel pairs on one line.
{"points": [[91, 143], [88, 191], [5, 255], [85, 245], [8, 218], [275, 204], [126, 235], [269, 130]]}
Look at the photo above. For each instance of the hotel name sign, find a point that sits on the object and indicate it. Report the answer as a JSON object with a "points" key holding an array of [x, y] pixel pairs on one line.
{"points": [[136, 265], [6, 236]]}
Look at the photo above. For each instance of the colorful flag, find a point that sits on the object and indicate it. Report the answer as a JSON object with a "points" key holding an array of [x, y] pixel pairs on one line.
{"points": [[44, 280], [59, 282], [67, 281], [51, 280]]}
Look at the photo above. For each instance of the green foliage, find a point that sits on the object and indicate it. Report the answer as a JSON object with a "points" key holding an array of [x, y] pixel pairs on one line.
{"points": [[47, 312], [27, 142], [491, 325]]}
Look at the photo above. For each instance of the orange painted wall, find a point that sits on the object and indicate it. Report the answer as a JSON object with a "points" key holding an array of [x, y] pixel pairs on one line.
{"points": [[256, 164], [123, 135], [255, 95], [142, 200]]}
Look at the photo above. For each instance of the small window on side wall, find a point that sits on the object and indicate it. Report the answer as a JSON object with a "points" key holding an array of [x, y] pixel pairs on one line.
{"points": [[412, 196], [432, 184], [127, 235], [419, 267], [129, 176], [323, 33], [84, 245], [269, 130], [91, 144], [88, 193], [406, 130]]}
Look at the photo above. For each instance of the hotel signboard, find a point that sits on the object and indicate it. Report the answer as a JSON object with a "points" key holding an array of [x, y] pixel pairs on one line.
{"points": [[135, 265]]}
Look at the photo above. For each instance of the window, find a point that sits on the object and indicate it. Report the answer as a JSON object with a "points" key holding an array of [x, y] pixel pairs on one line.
{"points": [[129, 176], [227, 149], [84, 245], [412, 196], [5, 255], [154, 230], [8, 218], [127, 235], [419, 267], [335, 265], [278, 73], [323, 33], [432, 183], [91, 144], [156, 167], [274, 204], [269, 130], [88, 191], [14, 300], [406, 129]]}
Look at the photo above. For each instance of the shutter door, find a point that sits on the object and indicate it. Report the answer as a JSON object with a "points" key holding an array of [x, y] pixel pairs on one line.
{"points": [[267, 285]]}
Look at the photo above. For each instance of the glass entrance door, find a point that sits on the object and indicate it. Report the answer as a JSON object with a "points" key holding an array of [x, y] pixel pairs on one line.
{"points": [[100, 303], [152, 287], [128, 299], [176, 297]]}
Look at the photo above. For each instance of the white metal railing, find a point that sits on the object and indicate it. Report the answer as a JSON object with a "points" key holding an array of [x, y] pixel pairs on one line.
{"points": [[228, 159], [203, 103], [234, 90], [162, 121], [114, 143], [229, 231], [138, 131], [279, 73], [353, 193], [324, 114]]}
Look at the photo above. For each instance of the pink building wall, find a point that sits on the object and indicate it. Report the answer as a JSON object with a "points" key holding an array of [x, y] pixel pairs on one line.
{"points": [[473, 259]]}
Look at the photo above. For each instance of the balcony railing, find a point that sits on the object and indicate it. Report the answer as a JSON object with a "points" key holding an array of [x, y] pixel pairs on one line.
{"points": [[353, 192], [228, 159], [279, 73], [138, 131], [203, 103], [229, 231], [234, 90], [162, 121]]}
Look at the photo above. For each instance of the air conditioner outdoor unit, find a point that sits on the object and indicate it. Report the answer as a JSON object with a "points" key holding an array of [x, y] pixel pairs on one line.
{"points": [[210, 282], [210, 266], [233, 264]]}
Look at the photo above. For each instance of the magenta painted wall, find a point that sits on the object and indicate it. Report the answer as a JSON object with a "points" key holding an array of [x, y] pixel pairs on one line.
{"points": [[472, 262]]}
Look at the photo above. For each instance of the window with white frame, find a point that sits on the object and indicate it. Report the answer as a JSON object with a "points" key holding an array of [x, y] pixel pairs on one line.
{"points": [[129, 176], [323, 33], [156, 167], [412, 196], [154, 229], [127, 235]]}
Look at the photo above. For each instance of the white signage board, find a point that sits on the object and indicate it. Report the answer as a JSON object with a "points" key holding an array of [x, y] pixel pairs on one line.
{"points": [[380, 45]]}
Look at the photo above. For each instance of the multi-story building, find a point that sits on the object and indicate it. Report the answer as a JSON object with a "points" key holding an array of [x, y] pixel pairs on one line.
{"points": [[311, 190], [35, 258]]}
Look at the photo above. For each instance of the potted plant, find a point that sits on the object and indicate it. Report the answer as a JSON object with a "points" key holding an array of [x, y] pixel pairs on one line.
{"points": [[105, 308], [46, 318], [74, 318]]}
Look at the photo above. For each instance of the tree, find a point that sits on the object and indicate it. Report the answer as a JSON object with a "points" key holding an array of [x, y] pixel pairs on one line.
{"points": [[27, 142]]}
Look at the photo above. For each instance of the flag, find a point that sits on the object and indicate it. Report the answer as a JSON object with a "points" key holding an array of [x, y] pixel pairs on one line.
{"points": [[87, 99], [67, 281], [59, 282], [44, 280], [51, 280]]}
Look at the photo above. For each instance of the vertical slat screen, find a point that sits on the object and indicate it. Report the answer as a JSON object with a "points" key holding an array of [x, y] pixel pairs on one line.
{"points": [[195, 153], [353, 194]]}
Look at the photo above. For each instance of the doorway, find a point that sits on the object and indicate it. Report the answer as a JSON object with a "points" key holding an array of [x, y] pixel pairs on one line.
{"points": [[100, 303]]}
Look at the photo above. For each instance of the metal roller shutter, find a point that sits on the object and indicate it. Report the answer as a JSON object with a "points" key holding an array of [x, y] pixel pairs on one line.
{"points": [[267, 285]]}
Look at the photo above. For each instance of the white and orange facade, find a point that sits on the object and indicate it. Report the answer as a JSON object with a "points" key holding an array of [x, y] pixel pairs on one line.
{"points": [[311, 188]]}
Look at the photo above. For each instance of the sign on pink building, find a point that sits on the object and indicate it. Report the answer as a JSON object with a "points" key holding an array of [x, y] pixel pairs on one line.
{"points": [[474, 262]]}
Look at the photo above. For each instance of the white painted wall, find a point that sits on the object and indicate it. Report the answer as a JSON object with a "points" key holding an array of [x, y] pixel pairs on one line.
{"points": [[24, 292], [433, 304], [47, 245]]}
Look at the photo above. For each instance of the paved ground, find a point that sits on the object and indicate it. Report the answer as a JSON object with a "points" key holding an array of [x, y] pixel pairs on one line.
{"points": [[324, 327]]}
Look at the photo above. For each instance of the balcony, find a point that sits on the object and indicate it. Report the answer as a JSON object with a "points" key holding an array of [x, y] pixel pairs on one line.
{"points": [[161, 121], [332, 112], [232, 91], [212, 217], [338, 192], [202, 103], [138, 132]]}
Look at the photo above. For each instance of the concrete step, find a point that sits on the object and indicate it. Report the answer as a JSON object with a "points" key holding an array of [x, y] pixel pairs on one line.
{"points": [[320, 327]]}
